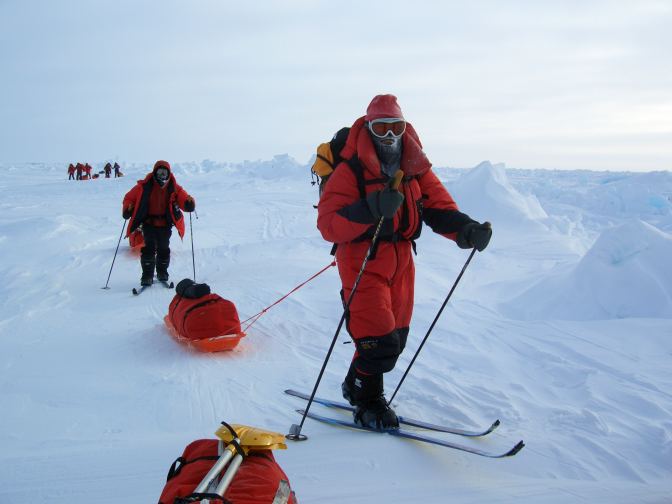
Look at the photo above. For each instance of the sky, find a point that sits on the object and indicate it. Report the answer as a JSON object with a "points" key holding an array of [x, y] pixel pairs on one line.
{"points": [[567, 84]]}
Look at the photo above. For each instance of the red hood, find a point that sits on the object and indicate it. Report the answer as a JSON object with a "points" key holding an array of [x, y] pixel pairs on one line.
{"points": [[157, 165]]}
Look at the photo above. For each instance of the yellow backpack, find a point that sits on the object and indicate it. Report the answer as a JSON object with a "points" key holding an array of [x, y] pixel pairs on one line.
{"points": [[327, 158]]}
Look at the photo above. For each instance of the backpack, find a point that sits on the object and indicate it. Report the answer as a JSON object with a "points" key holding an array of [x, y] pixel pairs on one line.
{"points": [[259, 480], [202, 319], [327, 158]]}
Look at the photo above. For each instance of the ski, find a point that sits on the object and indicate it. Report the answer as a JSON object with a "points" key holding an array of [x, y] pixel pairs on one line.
{"points": [[137, 292], [402, 420], [417, 437]]}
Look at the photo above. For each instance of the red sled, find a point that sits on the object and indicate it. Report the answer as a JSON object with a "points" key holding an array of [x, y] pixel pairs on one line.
{"points": [[208, 323]]}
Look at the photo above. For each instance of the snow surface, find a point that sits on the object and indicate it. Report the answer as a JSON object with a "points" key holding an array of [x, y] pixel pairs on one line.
{"points": [[562, 329]]}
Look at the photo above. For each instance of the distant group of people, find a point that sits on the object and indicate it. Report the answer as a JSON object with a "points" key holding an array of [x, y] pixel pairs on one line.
{"points": [[79, 171], [83, 171]]}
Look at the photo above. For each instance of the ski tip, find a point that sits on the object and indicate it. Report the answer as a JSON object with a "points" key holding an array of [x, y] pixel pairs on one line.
{"points": [[494, 425], [515, 449]]}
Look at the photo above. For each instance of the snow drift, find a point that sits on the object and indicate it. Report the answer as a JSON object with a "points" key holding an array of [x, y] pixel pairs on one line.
{"points": [[627, 273]]}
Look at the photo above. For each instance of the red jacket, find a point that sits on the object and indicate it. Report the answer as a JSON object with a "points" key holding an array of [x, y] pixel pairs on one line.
{"points": [[139, 196], [343, 216]]}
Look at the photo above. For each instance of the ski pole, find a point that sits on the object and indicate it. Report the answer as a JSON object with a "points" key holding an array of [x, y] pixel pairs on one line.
{"points": [[115, 255], [295, 430], [191, 233], [445, 302]]}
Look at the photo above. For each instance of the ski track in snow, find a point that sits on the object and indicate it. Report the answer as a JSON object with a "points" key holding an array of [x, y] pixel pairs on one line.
{"points": [[99, 399]]}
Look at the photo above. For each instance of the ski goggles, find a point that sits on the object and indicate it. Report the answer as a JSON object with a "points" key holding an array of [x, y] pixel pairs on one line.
{"points": [[387, 126]]}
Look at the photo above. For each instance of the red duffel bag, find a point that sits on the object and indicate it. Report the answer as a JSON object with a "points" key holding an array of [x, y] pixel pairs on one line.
{"points": [[258, 480], [203, 320]]}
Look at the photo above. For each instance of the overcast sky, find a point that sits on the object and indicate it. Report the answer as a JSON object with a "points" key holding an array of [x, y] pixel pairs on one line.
{"points": [[534, 84]]}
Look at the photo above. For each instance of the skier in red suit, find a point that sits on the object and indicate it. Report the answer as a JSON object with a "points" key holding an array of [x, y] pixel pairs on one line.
{"points": [[378, 145], [154, 203]]}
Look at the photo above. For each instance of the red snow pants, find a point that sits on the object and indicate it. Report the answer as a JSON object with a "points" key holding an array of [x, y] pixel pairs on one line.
{"points": [[380, 312]]}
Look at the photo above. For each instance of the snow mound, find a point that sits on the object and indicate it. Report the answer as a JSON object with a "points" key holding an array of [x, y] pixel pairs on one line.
{"points": [[627, 273], [485, 193], [281, 166], [641, 194]]}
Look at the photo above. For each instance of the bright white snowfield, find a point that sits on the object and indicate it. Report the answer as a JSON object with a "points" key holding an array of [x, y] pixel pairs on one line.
{"points": [[561, 328]]}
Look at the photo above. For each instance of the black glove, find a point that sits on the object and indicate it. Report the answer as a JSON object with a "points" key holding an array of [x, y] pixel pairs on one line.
{"points": [[474, 235], [189, 205], [127, 213], [384, 203]]}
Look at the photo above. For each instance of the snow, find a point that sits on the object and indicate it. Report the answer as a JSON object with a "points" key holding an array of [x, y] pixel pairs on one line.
{"points": [[561, 329]]}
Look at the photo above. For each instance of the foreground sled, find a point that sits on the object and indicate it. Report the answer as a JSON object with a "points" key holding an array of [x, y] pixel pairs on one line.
{"points": [[202, 320], [238, 467]]}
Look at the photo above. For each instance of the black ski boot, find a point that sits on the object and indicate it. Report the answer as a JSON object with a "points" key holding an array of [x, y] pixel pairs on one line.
{"points": [[147, 270], [376, 414], [162, 263], [365, 393]]}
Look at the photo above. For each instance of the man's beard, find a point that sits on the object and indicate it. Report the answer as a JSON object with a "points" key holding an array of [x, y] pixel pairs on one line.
{"points": [[389, 154]]}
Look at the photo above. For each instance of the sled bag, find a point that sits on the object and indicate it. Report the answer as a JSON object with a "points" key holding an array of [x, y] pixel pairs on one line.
{"points": [[259, 479], [205, 317]]}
